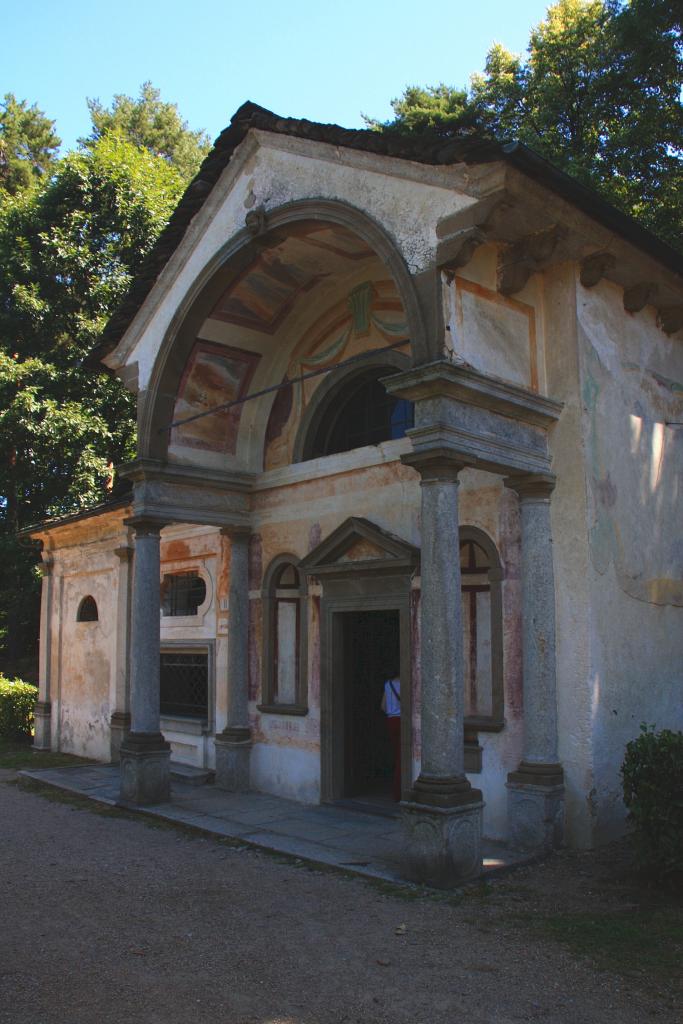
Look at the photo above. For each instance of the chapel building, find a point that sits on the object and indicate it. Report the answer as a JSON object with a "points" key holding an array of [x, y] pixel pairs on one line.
{"points": [[404, 408]]}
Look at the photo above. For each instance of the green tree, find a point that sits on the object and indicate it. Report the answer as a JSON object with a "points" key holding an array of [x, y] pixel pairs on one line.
{"points": [[151, 124], [68, 251], [430, 107], [28, 144], [598, 94]]}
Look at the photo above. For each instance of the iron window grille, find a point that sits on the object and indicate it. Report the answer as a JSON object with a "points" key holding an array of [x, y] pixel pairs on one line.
{"points": [[184, 684], [182, 593]]}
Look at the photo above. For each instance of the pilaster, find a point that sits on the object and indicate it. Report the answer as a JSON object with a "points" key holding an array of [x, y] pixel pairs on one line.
{"points": [[233, 744], [120, 672], [42, 739], [536, 788]]}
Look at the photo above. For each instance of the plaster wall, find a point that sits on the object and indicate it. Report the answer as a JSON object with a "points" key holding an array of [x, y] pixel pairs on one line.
{"points": [[503, 336], [86, 651], [632, 398]]}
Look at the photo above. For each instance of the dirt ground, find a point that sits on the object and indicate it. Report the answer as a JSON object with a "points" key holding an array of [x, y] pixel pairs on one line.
{"points": [[105, 917]]}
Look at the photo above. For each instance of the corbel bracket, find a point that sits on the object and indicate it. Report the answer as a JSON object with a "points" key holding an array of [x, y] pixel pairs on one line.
{"points": [[594, 268], [524, 257]]}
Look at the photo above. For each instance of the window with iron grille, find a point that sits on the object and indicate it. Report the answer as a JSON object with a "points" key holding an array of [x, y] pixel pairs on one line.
{"points": [[182, 593], [184, 683]]}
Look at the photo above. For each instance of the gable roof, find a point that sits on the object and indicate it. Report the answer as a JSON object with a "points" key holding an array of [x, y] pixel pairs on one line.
{"points": [[431, 147]]}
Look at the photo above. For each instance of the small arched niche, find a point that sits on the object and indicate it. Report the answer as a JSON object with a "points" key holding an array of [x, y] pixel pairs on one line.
{"points": [[87, 610]]}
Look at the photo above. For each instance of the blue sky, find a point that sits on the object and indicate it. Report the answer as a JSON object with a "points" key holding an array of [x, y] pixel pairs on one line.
{"points": [[324, 61]]}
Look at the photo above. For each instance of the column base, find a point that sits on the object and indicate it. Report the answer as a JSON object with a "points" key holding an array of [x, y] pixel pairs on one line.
{"points": [[119, 728], [536, 807], [145, 769], [42, 724], [233, 750], [442, 844]]}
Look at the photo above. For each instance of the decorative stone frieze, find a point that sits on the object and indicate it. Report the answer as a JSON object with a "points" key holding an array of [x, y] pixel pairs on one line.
{"points": [[482, 421], [189, 494]]}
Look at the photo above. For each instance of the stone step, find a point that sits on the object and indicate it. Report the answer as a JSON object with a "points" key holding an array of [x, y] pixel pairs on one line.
{"points": [[191, 775]]}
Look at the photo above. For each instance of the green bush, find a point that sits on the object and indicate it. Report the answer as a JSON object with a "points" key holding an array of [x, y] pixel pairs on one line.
{"points": [[17, 703], [652, 775]]}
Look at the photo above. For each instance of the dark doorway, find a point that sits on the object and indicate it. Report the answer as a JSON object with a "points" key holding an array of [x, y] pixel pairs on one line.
{"points": [[371, 654]]}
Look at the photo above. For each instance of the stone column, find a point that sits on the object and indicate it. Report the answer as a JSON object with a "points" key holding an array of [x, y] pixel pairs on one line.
{"points": [[145, 754], [42, 739], [120, 689], [233, 744], [536, 789], [443, 820]]}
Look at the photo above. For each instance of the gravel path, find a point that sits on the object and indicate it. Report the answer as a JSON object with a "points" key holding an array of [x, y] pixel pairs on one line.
{"points": [[107, 919]]}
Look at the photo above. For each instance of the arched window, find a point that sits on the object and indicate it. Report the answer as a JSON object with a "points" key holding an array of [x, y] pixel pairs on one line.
{"points": [[87, 610], [481, 573], [284, 639], [357, 413], [182, 593]]}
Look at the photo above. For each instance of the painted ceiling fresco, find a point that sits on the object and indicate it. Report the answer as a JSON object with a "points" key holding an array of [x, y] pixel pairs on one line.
{"points": [[369, 317], [214, 375], [266, 292]]}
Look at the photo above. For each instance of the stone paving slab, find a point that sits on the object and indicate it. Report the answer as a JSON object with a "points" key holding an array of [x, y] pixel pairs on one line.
{"points": [[356, 842]]}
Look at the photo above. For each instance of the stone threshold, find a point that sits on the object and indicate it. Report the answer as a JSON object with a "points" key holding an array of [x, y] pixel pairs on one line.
{"points": [[323, 836]]}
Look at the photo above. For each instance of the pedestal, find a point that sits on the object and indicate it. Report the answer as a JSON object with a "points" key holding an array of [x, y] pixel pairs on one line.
{"points": [[233, 748], [536, 808], [442, 844], [119, 728], [145, 769], [42, 716]]}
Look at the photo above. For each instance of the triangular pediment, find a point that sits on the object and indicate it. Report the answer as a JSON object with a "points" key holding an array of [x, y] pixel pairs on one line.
{"points": [[359, 545]]}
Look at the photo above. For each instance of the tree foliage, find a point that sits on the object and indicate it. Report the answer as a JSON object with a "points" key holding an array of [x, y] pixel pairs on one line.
{"points": [[68, 250], [28, 144], [151, 124], [598, 94]]}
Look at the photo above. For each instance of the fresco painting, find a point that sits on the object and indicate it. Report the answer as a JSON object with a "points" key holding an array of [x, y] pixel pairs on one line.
{"points": [[214, 375], [262, 298]]}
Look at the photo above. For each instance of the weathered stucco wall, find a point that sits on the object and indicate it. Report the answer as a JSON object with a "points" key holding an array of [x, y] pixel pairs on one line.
{"points": [[83, 683], [632, 396]]}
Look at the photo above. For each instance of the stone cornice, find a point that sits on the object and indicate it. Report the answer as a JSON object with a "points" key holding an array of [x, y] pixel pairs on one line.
{"points": [[143, 470], [443, 378], [479, 451]]}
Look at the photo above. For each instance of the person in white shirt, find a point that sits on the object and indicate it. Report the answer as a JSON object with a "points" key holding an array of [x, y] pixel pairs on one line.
{"points": [[391, 706]]}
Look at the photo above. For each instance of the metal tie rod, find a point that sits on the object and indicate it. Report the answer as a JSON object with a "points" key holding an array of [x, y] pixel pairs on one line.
{"points": [[278, 387]]}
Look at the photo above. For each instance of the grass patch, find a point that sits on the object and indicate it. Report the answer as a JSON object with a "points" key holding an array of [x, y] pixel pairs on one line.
{"points": [[17, 754], [630, 941]]}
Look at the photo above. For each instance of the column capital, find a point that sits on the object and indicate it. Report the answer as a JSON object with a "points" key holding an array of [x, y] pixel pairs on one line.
{"points": [[146, 526], [435, 464], [532, 485], [124, 553]]}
